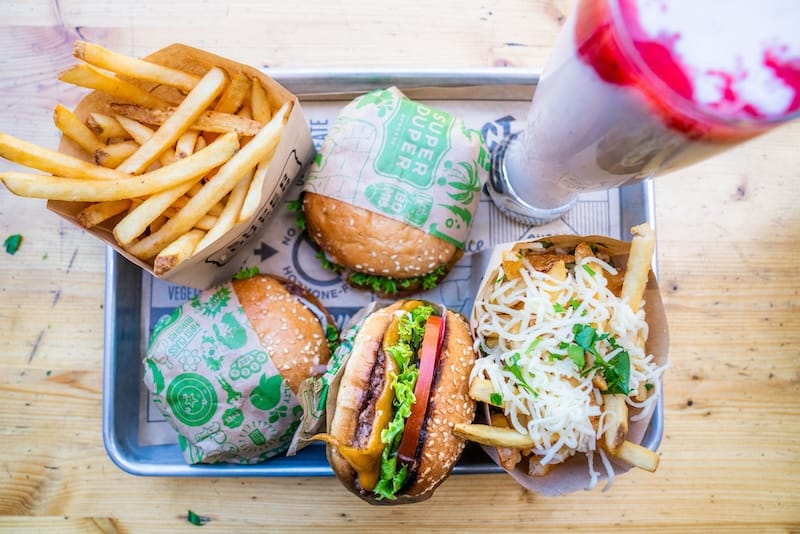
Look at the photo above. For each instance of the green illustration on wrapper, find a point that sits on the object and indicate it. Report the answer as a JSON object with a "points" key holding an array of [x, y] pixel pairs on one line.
{"points": [[163, 323], [233, 395], [268, 392], [192, 399], [209, 349], [395, 201], [214, 304], [415, 140], [248, 364], [233, 417], [157, 378], [383, 100], [230, 332]]}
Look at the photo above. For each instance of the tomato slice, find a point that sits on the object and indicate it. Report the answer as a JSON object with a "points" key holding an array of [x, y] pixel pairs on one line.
{"points": [[428, 355]]}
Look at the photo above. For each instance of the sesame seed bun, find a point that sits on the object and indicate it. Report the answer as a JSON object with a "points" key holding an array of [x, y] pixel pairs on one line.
{"points": [[291, 333], [449, 404], [368, 242]]}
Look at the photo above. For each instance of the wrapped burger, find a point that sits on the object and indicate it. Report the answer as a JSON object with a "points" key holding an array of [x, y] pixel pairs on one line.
{"points": [[225, 367], [392, 194]]}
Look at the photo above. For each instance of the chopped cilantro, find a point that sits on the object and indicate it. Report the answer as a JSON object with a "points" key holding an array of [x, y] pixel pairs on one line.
{"points": [[574, 303], [12, 243], [496, 399], [575, 354], [648, 386], [558, 308], [588, 269], [514, 368], [585, 336], [546, 244], [533, 345], [616, 371], [195, 519]]}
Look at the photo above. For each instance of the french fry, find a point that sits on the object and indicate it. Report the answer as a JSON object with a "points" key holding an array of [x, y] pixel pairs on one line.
{"points": [[234, 95], [253, 196], [72, 127], [87, 76], [215, 210], [207, 121], [230, 214], [186, 144], [178, 122], [44, 159], [205, 223], [76, 189], [259, 103], [509, 457], [638, 267], [135, 68], [141, 134], [259, 148], [105, 127], [158, 223], [637, 456], [231, 99], [105, 155], [493, 436], [177, 252], [481, 390], [94, 214], [137, 220], [615, 422], [112, 155]]}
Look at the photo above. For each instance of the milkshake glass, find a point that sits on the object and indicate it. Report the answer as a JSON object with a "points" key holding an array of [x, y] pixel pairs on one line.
{"points": [[639, 88]]}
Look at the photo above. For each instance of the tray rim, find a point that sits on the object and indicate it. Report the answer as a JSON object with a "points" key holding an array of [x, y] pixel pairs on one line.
{"points": [[310, 84]]}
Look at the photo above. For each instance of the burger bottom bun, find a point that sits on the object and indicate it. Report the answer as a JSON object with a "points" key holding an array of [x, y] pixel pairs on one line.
{"points": [[290, 332], [449, 404], [371, 243]]}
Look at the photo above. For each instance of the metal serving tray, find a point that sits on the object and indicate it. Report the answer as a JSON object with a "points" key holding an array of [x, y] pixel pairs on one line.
{"points": [[124, 323]]}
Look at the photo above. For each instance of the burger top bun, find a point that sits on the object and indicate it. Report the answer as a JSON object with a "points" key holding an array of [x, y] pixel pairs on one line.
{"points": [[449, 404], [368, 242], [289, 331]]}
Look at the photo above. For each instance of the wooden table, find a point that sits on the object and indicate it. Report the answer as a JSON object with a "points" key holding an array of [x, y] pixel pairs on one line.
{"points": [[729, 235]]}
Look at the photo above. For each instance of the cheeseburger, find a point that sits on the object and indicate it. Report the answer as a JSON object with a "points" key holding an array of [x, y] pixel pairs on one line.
{"points": [[225, 367], [403, 389], [375, 251], [393, 192]]}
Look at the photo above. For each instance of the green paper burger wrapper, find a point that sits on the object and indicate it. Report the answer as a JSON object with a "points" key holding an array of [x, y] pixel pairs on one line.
{"points": [[405, 160], [216, 385]]}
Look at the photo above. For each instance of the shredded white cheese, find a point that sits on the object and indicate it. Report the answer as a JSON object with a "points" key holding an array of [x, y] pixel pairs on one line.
{"points": [[523, 328]]}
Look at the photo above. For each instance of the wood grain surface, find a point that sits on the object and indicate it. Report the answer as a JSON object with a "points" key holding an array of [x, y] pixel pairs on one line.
{"points": [[729, 235]]}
